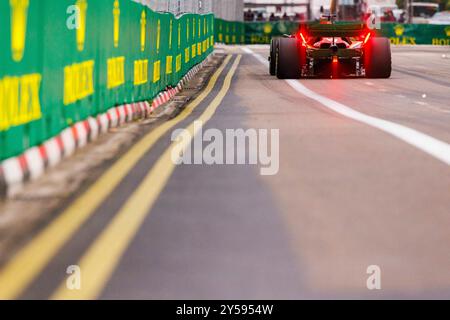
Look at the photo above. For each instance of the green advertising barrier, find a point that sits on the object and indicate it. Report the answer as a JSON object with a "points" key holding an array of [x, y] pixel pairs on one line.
{"points": [[262, 32], [229, 32], [64, 61], [399, 34]]}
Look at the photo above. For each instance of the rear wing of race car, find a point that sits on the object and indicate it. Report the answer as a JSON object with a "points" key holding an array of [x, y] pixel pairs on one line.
{"points": [[337, 29]]}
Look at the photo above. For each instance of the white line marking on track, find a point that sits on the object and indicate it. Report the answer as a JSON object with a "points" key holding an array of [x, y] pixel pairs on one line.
{"points": [[432, 146]]}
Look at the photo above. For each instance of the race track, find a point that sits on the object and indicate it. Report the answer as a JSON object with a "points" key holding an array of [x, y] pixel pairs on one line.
{"points": [[364, 179]]}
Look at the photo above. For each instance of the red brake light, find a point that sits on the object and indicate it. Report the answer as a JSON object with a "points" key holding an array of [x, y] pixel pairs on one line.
{"points": [[335, 59], [367, 37], [304, 42]]}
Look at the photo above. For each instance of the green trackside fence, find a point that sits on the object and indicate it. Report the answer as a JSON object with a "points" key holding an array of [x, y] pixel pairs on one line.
{"points": [[399, 34], [229, 32], [60, 63], [411, 34]]}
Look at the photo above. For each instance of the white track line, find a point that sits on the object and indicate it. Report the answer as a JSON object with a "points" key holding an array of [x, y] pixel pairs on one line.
{"points": [[432, 146]]}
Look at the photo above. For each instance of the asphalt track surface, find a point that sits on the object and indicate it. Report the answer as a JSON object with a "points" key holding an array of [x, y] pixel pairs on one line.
{"points": [[364, 179]]}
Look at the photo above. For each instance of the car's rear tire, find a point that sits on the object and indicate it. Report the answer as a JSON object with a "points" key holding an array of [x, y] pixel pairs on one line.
{"points": [[273, 56], [288, 60], [377, 58]]}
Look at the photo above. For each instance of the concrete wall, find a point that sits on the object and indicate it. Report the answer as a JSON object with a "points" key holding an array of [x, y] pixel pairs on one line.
{"points": [[231, 10], [179, 7]]}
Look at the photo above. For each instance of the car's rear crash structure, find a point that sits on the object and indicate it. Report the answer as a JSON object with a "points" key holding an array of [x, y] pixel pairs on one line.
{"points": [[331, 50]]}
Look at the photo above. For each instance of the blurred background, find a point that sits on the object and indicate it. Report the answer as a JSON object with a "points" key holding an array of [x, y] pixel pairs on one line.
{"points": [[400, 11]]}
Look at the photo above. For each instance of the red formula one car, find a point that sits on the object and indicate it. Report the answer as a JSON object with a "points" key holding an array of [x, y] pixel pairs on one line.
{"points": [[331, 50]]}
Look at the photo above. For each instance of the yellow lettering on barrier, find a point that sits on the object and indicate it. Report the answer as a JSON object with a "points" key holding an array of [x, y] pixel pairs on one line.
{"points": [[140, 72], [187, 30], [179, 36], [4, 124], [178, 63], [169, 65], [81, 30], [143, 25], [116, 15], [194, 50], [11, 89], [156, 71], [402, 40], [78, 81], [199, 48], [441, 42], [158, 36], [116, 72], [170, 34], [186, 55], [19, 16], [254, 39], [19, 100]]}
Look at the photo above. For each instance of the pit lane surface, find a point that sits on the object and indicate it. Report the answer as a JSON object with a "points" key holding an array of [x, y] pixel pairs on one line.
{"points": [[347, 196]]}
